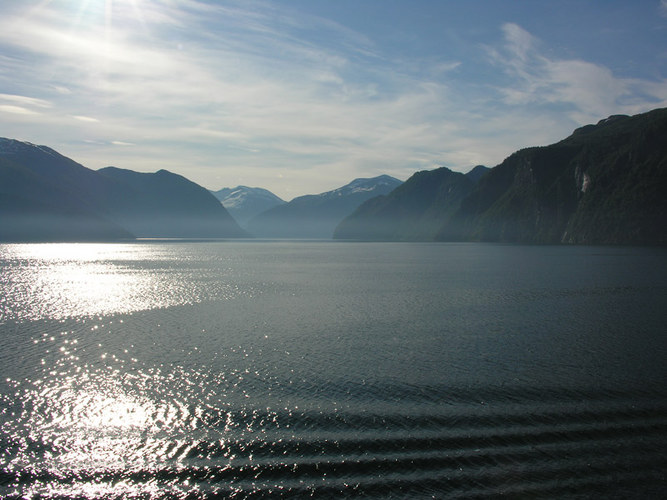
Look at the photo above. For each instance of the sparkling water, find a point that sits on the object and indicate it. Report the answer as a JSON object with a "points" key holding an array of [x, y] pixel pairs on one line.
{"points": [[252, 369]]}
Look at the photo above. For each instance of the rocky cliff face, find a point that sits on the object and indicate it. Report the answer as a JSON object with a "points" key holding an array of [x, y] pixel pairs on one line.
{"points": [[605, 184]]}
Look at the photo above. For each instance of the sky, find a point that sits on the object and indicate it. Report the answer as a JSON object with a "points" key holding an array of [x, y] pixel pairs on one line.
{"points": [[303, 96]]}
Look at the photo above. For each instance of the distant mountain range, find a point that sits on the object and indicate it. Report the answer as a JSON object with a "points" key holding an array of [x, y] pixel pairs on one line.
{"points": [[416, 210], [316, 216], [244, 202], [605, 184], [45, 196]]}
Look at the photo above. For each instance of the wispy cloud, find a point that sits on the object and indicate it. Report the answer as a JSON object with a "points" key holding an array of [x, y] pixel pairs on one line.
{"points": [[583, 90], [87, 119], [17, 110], [315, 105], [224, 92], [22, 105], [28, 101]]}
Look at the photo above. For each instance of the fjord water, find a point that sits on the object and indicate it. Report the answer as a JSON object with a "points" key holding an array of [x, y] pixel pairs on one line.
{"points": [[237, 369]]}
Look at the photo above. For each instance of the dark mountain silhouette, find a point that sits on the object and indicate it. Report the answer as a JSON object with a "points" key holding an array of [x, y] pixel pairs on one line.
{"points": [[244, 203], [477, 172], [45, 196], [316, 216], [52, 217], [605, 184], [163, 204], [415, 210]]}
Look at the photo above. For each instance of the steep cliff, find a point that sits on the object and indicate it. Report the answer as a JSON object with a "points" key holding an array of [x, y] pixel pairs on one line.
{"points": [[605, 184]]}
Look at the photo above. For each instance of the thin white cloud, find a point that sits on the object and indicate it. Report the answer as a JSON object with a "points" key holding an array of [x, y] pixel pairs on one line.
{"points": [[61, 89], [585, 91], [518, 41], [313, 106], [25, 100], [86, 119], [209, 89], [17, 110]]}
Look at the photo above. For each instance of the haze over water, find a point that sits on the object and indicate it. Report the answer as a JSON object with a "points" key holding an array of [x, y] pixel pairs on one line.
{"points": [[252, 369]]}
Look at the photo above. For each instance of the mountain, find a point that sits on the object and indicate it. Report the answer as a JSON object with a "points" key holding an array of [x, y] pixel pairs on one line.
{"points": [[45, 196], [316, 216], [244, 202], [415, 210], [605, 184], [477, 172], [46, 213], [164, 204]]}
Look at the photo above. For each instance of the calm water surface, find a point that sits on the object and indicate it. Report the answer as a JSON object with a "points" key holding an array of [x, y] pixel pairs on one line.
{"points": [[329, 369]]}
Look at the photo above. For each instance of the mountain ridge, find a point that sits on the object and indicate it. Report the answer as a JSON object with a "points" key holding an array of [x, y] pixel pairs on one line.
{"points": [[603, 184], [168, 205], [46, 196], [244, 202], [414, 210], [317, 215]]}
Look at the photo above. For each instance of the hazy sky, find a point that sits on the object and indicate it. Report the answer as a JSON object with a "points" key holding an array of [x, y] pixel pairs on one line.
{"points": [[302, 96]]}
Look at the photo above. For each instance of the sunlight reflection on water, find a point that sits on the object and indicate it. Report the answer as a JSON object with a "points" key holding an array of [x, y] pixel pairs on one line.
{"points": [[337, 370], [84, 431], [91, 419], [61, 280]]}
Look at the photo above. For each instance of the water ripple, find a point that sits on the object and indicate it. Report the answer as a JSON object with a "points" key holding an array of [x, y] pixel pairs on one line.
{"points": [[57, 281], [148, 433], [151, 371]]}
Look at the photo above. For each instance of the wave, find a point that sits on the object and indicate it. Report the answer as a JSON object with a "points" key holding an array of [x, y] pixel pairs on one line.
{"points": [[478, 444]]}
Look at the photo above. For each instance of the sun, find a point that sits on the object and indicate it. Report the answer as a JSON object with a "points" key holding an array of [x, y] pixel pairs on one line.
{"points": [[110, 10], [95, 13]]}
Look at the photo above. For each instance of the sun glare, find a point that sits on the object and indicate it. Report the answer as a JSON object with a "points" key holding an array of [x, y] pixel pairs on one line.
{"points": [[96, 13]]}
